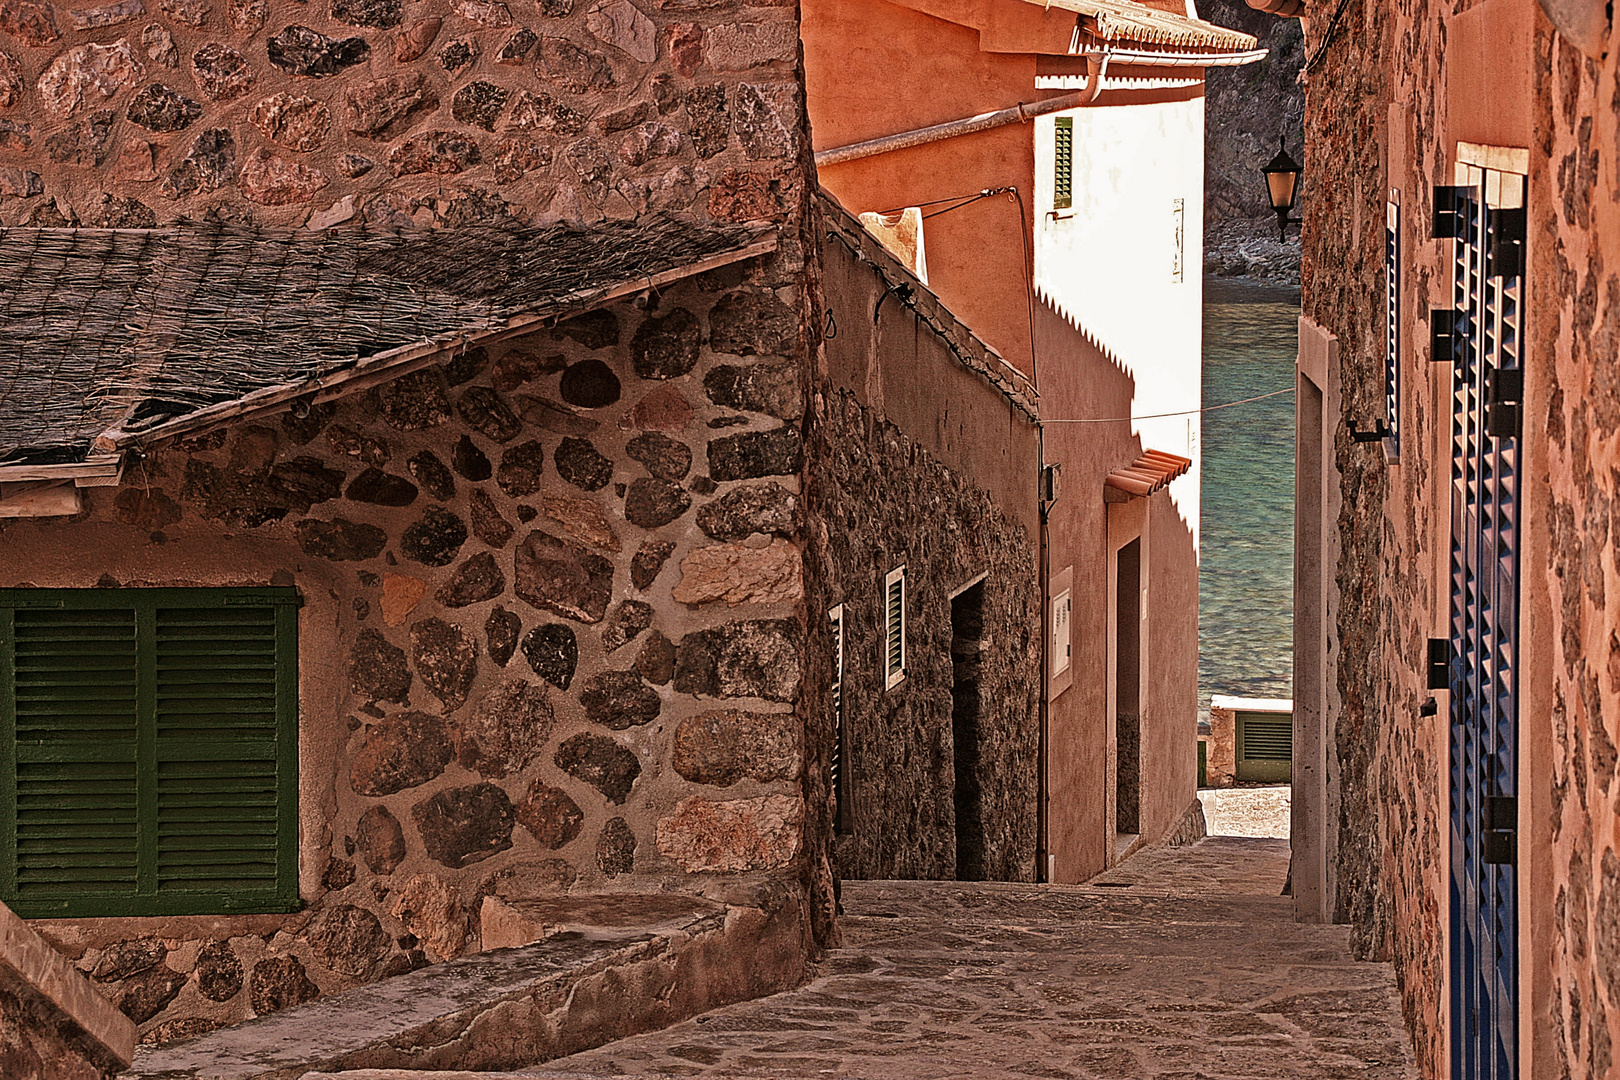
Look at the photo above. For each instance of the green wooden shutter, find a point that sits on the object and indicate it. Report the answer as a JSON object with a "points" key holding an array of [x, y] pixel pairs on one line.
{"points": [[150, 744], [1063, 163]]}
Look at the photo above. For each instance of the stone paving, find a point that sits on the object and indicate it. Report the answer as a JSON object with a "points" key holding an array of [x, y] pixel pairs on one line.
{"points": [[1181, 963]]}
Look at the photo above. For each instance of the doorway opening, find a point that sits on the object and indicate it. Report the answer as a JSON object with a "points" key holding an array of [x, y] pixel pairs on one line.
{"points": [[967, 646], [1128, 681]]}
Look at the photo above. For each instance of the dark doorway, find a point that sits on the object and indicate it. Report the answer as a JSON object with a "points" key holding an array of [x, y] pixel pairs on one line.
{"points": [[967, 643], [1127, 679]]}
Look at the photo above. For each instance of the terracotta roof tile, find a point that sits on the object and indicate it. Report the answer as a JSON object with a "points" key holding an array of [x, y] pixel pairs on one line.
{"points": [[1151, 472], [1127, 21]]}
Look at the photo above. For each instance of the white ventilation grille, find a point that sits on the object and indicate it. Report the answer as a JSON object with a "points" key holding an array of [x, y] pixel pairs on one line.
{"points": [[894, 627]]}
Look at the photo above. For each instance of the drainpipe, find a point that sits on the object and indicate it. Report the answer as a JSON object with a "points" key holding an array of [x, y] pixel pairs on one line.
{"points": [[1096, 66]]}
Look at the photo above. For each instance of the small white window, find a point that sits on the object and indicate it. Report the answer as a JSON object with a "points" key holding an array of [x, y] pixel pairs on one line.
{"points": [[894, 627], [1062, 604]]}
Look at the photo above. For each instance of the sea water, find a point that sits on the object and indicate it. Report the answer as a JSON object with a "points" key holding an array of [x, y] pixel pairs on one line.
{"points": [[1246, 557]]}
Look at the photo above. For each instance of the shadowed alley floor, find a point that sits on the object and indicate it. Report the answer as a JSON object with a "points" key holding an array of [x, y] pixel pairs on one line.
{"points": [[1181, 963]]}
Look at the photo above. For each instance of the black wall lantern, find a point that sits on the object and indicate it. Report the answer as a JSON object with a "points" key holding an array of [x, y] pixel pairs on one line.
{"points": [[1282, 182]]}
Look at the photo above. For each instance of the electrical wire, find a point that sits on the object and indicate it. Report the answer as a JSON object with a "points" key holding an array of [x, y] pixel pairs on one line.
{"points": [[1327, 36], [1165, 415]]}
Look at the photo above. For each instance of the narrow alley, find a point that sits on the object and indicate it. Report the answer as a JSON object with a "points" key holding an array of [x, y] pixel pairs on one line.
{"points": [[1183, 962]]}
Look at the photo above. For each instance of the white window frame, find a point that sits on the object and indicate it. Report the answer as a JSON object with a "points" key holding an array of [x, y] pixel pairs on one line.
{"points": [[893, 675]]}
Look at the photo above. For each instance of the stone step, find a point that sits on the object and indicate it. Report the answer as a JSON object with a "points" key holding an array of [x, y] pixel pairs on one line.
{"points": [[582, 971]]}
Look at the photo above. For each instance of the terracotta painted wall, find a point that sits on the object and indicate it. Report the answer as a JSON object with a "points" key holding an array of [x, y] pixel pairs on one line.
{"points": [[875, 68]]}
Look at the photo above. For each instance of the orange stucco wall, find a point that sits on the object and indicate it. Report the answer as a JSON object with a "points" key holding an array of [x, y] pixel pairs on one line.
{"points": [[853, 52]]}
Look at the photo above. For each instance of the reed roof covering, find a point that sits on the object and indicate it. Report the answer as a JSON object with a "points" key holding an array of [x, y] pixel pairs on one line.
{"points": [[104, 327], [1128, 21]]}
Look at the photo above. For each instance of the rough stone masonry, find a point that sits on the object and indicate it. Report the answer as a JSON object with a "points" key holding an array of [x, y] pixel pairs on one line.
{"points": [[552, 637]]}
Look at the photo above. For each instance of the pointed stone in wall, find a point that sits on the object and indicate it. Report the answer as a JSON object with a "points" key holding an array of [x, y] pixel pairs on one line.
{"points": [[600, 762], [414, 401], [401, 752], [125, 958], [648, 561], [579, 463], [377, 669], [348, 939], [446, 659], [616, 848], [621, 24], [656, 660], [756, 658], [553, 652], [728, 745], [666, 346], [732, 836], [619, 700], [400, 595], [521, 469], [380, 106], [501, 632], [506, 730], [708, 121], [487, 523], [159, 108], [479, 104], [563, 576], [661, 455], [218, 972], [652, 503], [574, 69], [381, 489], [629, 619], [765, 388], [292, 120], [430, 909], [435, 538], [221, 72], [29, 22], [432, 474], [438, 153], [550, 815], [303, 51], [765, 507], [340, 539], [11, 80], [464, 825], [382, 14], [380, 840], [416, 39], [85, 76], [767, 119], [271, 180], [777, 452], [525, 364], [145, 995], [279, 982], [470, 462], [583, 518], [476, 580], [740, 574]]}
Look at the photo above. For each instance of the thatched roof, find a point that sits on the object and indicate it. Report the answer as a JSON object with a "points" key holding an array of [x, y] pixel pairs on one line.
{"points": [[129, 329]]}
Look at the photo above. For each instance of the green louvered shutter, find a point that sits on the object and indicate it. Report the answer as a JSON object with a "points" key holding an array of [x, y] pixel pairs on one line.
{"points": [[1063, 163], [150, 750]]}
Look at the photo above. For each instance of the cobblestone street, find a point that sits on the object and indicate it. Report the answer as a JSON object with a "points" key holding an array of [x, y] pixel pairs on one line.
{"points": [[1180, 963]]}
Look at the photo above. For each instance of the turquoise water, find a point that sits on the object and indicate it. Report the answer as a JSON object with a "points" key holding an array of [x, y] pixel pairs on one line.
{"points": [[1246, 571]]}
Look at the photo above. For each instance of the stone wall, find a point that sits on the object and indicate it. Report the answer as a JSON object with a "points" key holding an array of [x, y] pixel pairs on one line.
{"points": [[884, 501], [562, 581], [440, 113], [1575, 199], [1386, 108]]}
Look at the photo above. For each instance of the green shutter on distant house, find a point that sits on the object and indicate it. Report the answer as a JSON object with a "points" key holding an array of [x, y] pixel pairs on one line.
{"points": [[1063, 164], [148, 748]]}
